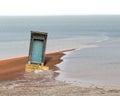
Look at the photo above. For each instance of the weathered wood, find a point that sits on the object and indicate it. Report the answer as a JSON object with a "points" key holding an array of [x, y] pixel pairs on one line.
{"points": [[37, 47]]}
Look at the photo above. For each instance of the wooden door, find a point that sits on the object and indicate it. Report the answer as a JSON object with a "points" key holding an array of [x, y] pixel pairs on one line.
{"points": [[37, 51]]}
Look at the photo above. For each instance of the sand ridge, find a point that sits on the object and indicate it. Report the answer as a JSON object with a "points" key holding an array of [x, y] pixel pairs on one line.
{"points": [[10, 69]]}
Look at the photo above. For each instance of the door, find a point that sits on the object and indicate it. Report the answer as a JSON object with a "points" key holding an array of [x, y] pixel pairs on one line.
{"points": [[37, 51]]}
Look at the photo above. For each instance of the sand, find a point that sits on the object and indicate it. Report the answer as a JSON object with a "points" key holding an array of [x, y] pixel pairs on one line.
{"points": [[10, 72], [10, 69]]}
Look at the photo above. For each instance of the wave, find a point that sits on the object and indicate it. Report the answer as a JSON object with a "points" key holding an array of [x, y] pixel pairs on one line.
{"points": [[104, 38]]}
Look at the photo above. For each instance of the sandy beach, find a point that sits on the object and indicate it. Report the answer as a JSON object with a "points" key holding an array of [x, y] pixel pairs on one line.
{"points": [[12, 82], [10, 68]]}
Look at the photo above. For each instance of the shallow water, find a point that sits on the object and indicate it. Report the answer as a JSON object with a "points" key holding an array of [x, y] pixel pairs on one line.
{"points": [[99, 65], [97, 37]]}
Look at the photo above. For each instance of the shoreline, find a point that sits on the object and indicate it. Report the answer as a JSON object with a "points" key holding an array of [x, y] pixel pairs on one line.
{"points": [[9, 68]]}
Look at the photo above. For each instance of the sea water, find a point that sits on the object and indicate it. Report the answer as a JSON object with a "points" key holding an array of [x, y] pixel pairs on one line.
{"points": [[64, 32], [96, 38]]}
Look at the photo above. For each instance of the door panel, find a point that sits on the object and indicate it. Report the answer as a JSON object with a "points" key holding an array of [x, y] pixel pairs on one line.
{"points": [[37, 50]]}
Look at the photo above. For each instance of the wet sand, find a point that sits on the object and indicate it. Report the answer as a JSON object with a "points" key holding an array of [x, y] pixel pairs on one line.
{"points": [[9, 70]]}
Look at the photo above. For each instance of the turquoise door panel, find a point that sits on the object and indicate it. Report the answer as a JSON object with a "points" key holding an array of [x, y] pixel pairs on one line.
{"points": [[37, 50]]}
